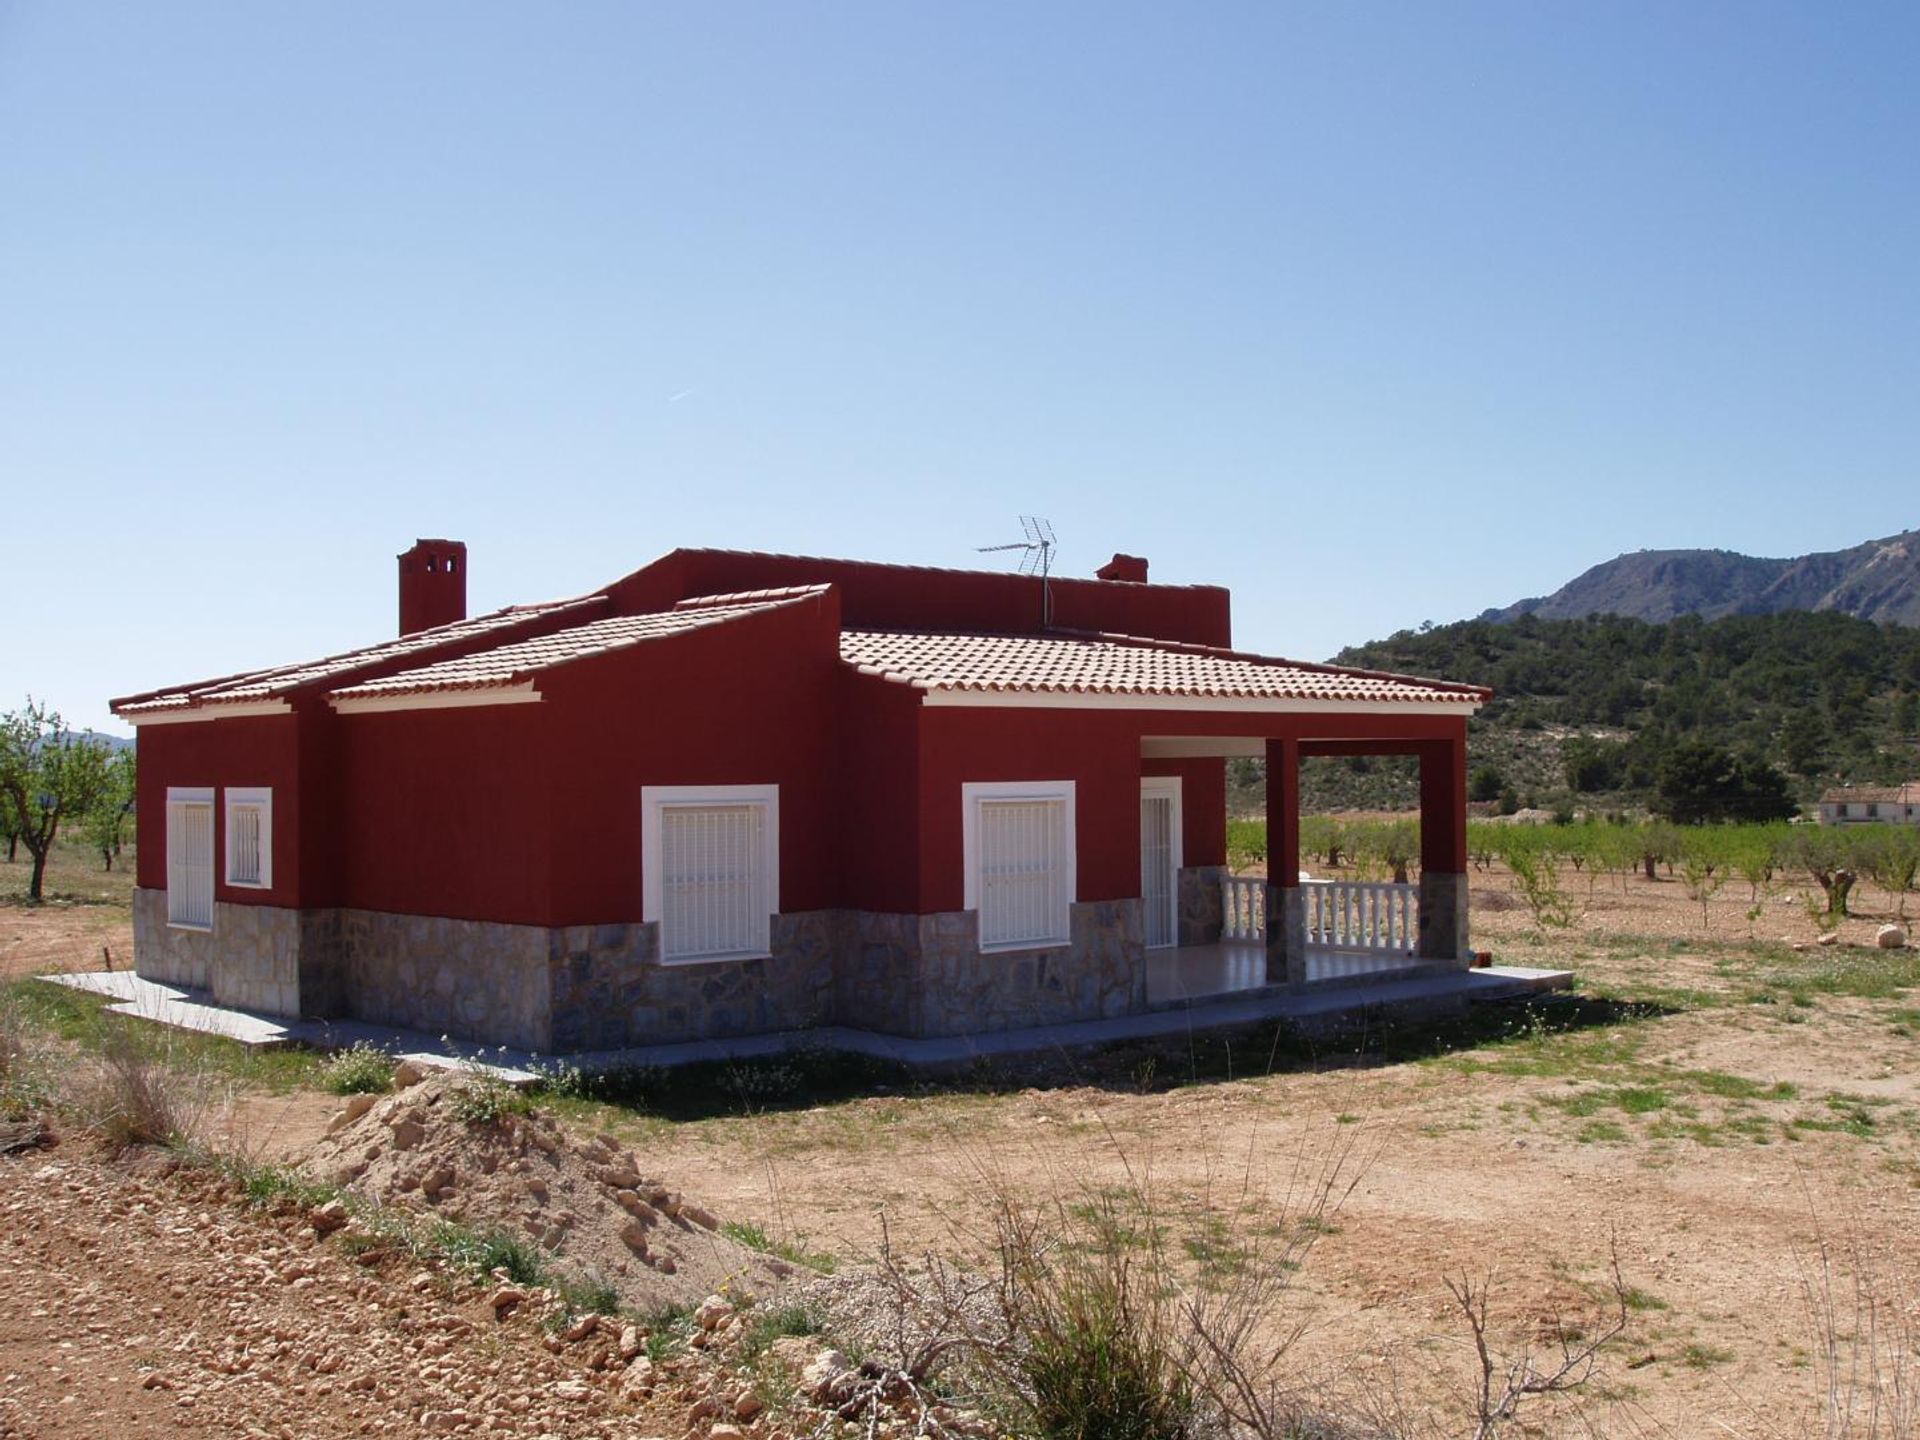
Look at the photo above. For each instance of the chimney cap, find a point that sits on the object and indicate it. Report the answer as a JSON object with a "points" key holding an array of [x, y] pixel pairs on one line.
{"points": [[1129, 568]]}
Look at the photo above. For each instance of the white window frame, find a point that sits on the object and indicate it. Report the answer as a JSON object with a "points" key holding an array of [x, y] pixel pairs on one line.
{"points": [[180, 798], [976, 794], [251, 797], [1172, 789], [655, 800]]}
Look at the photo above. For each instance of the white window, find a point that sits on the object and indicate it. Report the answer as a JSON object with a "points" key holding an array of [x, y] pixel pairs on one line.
{"points": [[190, 858], [712, 868], [1019, 845], [250, 838]]}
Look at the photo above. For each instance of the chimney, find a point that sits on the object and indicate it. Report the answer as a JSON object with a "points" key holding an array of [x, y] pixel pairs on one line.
{"points": [[433, 585], [1131, 568]]}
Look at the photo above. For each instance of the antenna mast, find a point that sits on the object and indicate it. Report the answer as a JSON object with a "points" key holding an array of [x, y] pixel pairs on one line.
{"points": [[1037, 559]]}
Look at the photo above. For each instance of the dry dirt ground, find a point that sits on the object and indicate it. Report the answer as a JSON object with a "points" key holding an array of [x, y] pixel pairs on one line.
{"points": [[142, 1303], [1768, 1114]]}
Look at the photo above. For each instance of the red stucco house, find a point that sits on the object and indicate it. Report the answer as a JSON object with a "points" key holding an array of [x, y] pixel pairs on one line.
{"points": [[740, 793]]}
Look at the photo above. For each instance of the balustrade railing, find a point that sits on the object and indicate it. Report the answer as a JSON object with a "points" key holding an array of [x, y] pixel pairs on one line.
{"points": [[1340, 914], [1356, 915], [1243, 909]]}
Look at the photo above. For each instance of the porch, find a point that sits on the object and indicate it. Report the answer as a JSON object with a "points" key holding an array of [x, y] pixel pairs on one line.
{"points": [[1351, 931], [1213, 933]]}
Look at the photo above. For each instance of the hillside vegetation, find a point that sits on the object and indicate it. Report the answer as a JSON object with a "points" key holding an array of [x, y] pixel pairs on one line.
{"points": [[1590, 710]]}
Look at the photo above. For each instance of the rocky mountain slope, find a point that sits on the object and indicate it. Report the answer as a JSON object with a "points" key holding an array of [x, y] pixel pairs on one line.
{"points": [[1878, 580]]}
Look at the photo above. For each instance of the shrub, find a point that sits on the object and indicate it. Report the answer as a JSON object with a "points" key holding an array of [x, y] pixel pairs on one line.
{"points": [[136, 1094], [1103, 1355], [483, 1098], [360, 1069], [1537, 869]]}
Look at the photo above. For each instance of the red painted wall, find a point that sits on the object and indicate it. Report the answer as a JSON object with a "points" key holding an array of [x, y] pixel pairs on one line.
{"points": [[1100, 753], [751, 701], [1203, 807], [901, 597], [873, 828], [532, 813], [444, 812], [255, 750]]}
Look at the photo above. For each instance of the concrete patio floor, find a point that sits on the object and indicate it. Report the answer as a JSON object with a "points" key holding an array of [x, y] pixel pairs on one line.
{"points": [[1323, 1005]]}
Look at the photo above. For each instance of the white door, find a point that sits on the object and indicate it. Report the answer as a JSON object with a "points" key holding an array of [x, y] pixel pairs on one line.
{"points": [[1160, 858]]}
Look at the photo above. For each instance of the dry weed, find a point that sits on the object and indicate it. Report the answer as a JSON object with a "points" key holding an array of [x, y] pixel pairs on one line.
{"points": [[140, 1087]]}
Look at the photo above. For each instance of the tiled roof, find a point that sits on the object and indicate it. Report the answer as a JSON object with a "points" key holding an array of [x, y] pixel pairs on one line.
{"points": [[1123, 665], [751, 597], [1907, 794], [510, 664], [258, 685]]}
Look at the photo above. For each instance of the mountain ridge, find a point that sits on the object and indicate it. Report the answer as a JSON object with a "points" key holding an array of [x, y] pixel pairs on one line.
{"points": [[1876, 580]]}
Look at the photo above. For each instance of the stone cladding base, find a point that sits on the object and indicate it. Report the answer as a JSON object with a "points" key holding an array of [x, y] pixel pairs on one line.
{"points": [[602, 987]]}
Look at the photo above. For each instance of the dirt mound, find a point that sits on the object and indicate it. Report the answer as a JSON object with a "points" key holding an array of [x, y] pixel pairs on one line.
{"points": [[446, 1146]]}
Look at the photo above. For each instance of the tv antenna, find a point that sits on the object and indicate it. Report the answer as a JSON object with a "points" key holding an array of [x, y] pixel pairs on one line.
{"points": [[1037, 559]]}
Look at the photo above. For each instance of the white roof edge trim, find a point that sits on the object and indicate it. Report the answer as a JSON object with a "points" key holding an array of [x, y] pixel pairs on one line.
{"points": [[465, 699], [238, 710], [1228, 704]]}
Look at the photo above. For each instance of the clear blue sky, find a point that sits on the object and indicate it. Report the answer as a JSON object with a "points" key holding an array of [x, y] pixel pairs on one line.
{"points": [[1374, 313]]}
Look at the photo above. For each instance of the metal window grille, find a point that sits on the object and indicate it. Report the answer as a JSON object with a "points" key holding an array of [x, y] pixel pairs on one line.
{"points": [[713, 882], [246, 844], [190, 863], [1022, 884], [1156, 868]]}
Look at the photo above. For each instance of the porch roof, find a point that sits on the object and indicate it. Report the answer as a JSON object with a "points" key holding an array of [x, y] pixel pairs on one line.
{"points": [[1087, 664]]}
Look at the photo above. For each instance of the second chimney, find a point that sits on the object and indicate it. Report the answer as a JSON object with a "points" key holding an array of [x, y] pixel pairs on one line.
{"points": [[1132, 568], [433, 585]]}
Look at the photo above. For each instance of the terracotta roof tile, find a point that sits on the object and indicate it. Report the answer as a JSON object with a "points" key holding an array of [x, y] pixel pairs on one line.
{"points": [[508, 665], [1907, 794], [258, 685], [1123, 665], [751, 597]]}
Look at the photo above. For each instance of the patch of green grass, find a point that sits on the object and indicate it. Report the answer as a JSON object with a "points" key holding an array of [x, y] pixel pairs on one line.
{"points": [[484, 1251], [1601, 1132], [81, 1019], [776, 1323], [794, 1251], [1770, 975], [272, 1184], [1704, 1357], [1217, 1250], [668, 1331], [582, 1294], [1580, 1104], [1641, 1099], [1738, 1087]]}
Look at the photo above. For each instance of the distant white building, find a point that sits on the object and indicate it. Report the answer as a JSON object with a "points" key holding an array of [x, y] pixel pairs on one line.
{"points": [[1872, 805]]}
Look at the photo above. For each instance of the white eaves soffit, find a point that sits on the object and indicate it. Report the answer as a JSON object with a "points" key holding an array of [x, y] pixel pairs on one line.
{"points": [[186, 714], [521, 694], [1193, 704]]}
